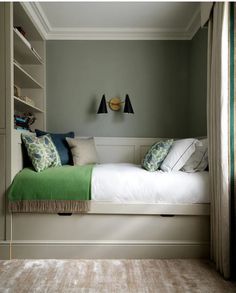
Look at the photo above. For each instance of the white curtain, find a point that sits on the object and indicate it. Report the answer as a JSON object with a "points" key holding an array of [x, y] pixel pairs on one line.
{"points": [[218, 135]]}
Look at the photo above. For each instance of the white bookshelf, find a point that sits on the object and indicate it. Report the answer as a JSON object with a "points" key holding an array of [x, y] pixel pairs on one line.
{"points": [[28, 66], [19, 66]]}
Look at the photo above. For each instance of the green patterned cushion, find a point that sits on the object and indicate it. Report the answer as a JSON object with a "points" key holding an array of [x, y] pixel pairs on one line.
{"points": [[41, 151], [156, 154]]}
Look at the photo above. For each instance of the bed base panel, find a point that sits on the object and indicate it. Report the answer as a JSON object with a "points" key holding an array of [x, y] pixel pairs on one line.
{"points": [[107, 236]]}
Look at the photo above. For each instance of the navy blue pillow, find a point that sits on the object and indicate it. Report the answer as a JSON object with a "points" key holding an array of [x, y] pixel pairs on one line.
{"points": [[61, 144]]}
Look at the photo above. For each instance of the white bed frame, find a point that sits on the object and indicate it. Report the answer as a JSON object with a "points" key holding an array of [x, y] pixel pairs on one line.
{"points": [[110, 230]]}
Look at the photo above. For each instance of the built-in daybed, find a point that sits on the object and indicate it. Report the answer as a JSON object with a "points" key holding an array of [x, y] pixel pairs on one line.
{"points": [[118, 228]]}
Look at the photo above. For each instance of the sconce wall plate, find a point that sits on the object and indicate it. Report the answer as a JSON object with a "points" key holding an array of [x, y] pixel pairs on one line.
{"points": [[115, 104]]}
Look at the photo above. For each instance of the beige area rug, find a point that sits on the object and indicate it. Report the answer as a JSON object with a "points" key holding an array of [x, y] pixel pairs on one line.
{"points": [[111, 276]]}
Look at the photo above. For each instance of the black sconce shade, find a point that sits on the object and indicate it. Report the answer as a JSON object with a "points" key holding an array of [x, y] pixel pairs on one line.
{"points": [[128, 107], [103, 106]]}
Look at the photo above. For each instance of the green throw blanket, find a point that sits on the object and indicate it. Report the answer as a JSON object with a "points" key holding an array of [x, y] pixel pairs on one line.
{"points": [[64, 189]]}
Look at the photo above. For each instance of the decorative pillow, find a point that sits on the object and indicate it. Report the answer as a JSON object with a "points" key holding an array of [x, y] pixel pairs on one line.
{"points": [[179, 154], [156, 154], [83, 150], [59, 140], [41, 151], [199, 159]]}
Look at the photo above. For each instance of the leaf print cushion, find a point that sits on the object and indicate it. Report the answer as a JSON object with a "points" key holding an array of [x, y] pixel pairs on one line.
{"points": [[156, 155], [41, 151]]}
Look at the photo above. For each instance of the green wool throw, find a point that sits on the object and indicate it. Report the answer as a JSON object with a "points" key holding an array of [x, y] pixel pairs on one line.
{"points": [[55, 190]]}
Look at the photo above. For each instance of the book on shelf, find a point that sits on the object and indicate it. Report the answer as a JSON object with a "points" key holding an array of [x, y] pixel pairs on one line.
{"points": [[20, 119], [21, 129]]}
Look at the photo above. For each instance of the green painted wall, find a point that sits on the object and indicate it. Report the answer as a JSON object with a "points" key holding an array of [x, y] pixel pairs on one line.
{"points": [[154, 73], [198, 84]]}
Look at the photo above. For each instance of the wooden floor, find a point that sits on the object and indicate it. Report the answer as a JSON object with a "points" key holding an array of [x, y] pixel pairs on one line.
{"points": [[111, 276]]}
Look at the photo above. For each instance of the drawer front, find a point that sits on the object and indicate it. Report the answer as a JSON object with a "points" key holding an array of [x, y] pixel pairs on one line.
{"points": [[110, 227]]}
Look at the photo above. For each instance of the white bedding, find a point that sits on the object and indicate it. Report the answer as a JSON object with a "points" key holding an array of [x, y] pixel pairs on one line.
{"points": [[130, 183]]}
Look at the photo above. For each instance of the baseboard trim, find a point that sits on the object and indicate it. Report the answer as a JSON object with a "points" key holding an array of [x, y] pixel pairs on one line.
{"points": [[4, 250], [104, 249]]}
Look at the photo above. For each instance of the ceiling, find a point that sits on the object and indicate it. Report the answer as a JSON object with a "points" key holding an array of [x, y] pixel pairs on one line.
{"points": [[116, 20]]}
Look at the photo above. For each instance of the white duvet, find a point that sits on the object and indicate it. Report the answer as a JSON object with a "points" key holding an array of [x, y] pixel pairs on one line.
{"points": [[130, 183]]}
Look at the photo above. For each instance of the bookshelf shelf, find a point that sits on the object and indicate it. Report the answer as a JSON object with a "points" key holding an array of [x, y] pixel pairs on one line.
{"points": [[23, 79], [22, 106], [22, 50]]}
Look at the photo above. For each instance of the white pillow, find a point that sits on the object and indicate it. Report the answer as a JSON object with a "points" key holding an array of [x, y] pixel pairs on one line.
{"points": [[199, 159], [179, 154], [83, 150]]}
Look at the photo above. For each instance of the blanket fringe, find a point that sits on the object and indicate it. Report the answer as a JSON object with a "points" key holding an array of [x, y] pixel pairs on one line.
{"points": [[49, 206]]}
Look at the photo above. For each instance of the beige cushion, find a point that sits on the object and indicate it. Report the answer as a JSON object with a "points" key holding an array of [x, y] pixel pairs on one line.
{"points": [[83, 150]]}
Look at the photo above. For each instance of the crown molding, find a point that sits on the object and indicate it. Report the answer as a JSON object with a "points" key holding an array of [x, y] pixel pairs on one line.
{"points": [[108, 33], [38, 16], [101, 33], [194, 24]]}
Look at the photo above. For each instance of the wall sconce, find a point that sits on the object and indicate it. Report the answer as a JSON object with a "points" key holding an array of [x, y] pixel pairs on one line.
{"points": [[115, 105]]}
